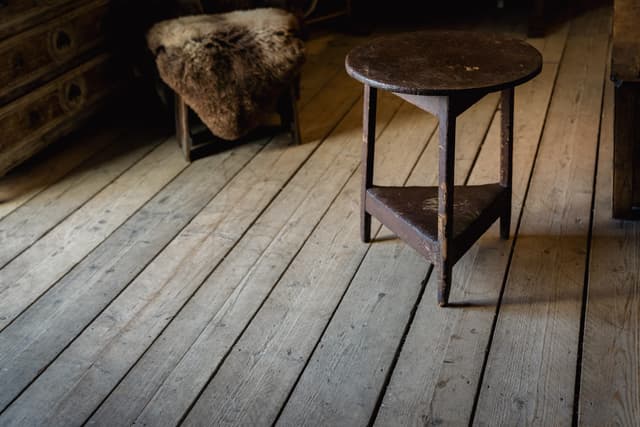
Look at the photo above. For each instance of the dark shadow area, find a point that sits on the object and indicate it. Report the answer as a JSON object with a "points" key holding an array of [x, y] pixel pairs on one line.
{"points": [[565, 292], [207, 144], [562, 296], [539, 17], [471, 304], [386, 238]]}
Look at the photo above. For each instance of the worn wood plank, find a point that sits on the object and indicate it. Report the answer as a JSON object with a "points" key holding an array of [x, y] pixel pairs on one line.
{"points": [[29, 275], [530, 372], [183, 357], [28, 223], [610, 377], [438, 370], [129, 325], [252, 383], [35, 338], [341, 384]]}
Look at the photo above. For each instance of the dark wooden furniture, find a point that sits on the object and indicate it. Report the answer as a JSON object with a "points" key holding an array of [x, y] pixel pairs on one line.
{"points": [[55, 71], [286, 104], [625, 72], [443, 73]]}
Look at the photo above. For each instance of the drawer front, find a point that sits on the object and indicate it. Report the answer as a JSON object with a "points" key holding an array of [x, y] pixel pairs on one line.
{"points": [[18, 15], [37, 119], [37, 55]]}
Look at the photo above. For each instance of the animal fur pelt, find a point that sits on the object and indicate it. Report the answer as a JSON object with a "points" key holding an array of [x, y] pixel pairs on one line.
{"points": [[231, 67]]}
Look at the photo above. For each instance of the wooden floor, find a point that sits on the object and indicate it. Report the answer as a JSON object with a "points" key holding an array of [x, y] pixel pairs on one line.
{"points": [[135, 288]]}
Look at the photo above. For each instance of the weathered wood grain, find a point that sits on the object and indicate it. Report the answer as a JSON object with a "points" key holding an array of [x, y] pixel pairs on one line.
{"points": [[31, 221], [191, 348], [129, 325], [437, 373], [252, 383], [66, 309], [345, 375], [530, 372], [29, 275], [610, 377]]}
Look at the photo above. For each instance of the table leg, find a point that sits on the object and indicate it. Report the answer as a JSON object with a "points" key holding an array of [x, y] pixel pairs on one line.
{"points": [[506, 158], [368, 147], [446, 150]]}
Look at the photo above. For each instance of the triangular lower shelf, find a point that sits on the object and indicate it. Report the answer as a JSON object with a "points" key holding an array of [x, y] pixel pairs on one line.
{"points": [[412, 213]]}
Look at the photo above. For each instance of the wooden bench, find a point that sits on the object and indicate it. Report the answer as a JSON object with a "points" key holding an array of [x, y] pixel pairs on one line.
{"points": [[625, 72]]}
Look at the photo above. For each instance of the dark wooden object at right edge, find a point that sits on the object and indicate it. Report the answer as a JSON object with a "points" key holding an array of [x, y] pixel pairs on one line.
{"points": [[625, 72]]}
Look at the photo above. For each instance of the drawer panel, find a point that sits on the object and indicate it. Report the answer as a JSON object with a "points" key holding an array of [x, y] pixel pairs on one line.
{"points": [[18, 15], [37, 119], [37, 55]]}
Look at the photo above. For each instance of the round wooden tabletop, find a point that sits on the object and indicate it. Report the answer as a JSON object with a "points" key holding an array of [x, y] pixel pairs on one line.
{"points": [[443, 62]]}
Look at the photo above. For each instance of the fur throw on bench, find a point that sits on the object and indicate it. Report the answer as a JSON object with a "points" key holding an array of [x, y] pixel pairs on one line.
{"points": [[229, 68]]}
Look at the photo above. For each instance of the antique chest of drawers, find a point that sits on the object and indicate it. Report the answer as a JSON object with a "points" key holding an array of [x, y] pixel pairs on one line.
{"points": [[57, 69]]}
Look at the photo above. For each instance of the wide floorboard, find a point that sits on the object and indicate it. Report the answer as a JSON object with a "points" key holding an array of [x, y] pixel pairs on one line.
{"points": [[136, 288]]}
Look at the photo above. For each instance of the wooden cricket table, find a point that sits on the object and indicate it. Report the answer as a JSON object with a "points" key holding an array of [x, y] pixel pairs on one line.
{"points": [[443, 73]]}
